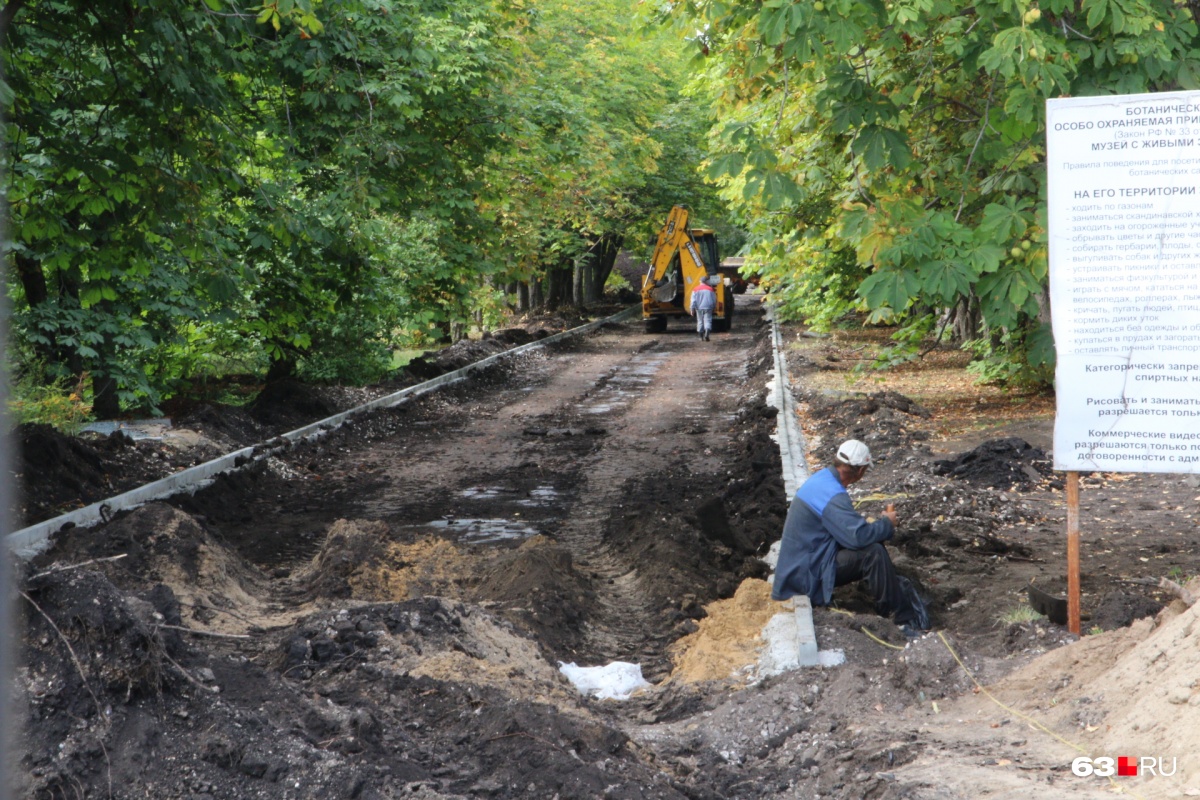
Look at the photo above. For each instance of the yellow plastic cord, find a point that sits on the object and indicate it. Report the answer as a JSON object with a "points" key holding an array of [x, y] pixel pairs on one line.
{"points": [[1033, 722], [881, 641]]}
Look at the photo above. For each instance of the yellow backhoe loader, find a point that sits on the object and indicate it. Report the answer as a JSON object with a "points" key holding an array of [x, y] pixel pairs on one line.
{"points": [[683, 258]]}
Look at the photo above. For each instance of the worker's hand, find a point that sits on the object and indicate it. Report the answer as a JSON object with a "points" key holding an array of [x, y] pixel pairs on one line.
{"points": [[890, 513]]}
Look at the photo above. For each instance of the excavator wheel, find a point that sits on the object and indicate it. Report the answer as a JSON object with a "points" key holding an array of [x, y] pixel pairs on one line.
{"points": [[724, 325], [656, 324]]}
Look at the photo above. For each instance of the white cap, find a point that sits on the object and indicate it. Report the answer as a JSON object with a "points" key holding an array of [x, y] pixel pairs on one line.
{"points": [[854, 453]]}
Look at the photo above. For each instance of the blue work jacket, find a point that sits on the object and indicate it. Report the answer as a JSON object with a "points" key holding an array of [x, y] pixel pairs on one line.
{"points": [[820, 521]]}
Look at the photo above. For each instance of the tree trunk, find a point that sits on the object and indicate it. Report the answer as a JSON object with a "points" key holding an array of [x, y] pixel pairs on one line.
{"points": [[33, 280], [523, 296], [281, 368], [581, 279], [966, 319], [602, 265], [1043, 301], [558, 286], [105, 403], [37, 293]]}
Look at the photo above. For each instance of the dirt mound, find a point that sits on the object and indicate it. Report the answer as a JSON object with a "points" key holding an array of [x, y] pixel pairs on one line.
{"points": [[454, 357], [515, 337], [261, 490], [1122, 609], [89, 648], [228, 424], [538, 585], [360, 559], [468, 351], [1129, 691], [413, 699], [58, 470], [425, 637], [727, 640], [999, 463], [881, 419], [61, 473], [289, 404], [158, 544]]}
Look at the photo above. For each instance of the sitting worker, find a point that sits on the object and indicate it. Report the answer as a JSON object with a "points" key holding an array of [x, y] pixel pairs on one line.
{"points": [[826, 543]]}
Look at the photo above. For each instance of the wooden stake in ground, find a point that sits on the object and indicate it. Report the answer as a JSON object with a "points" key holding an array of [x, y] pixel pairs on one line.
{"points": [[1073, 552]]}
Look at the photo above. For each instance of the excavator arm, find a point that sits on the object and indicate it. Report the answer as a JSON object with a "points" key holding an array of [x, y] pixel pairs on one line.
{"points": [[675, 245]]}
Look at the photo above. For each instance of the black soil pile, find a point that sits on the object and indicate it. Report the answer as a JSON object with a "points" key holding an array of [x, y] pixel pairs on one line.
{"points": [[468, 352], [1009, 463], [290, 404], [555, 594], [1119, 610], [59, 473], [330, 707], [231, 426], [884, 420]]}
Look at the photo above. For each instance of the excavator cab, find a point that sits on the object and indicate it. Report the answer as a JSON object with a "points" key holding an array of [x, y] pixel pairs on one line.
{"points": [[682, 259]]}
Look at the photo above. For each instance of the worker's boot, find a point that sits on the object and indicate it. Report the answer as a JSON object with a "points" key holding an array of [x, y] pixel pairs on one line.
{"points": [[706, 336]]}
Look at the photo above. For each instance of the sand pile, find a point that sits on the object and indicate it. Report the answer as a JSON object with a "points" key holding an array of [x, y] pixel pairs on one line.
{"points": [[728, 641], [1132, 692], [360, 559]]}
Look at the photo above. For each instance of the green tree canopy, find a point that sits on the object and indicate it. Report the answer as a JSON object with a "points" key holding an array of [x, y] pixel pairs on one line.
{"points": [[891, 154], [299, 185]]}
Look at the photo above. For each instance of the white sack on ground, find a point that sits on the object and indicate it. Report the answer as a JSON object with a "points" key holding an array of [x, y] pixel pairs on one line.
{"points": [[617, 681]]}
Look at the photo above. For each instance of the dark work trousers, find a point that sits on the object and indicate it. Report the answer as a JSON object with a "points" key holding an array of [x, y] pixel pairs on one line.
{"points": [[873, 565]]}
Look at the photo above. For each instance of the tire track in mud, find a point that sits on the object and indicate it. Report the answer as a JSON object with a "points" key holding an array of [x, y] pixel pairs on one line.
{"points": [[655, 400], [624, 613]]}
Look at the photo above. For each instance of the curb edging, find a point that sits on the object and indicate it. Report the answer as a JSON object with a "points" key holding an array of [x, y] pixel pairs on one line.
{"points": [[32, 540]]}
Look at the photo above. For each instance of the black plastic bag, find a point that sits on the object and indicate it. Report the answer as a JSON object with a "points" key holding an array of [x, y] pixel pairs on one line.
{"points": [[920, 617]]}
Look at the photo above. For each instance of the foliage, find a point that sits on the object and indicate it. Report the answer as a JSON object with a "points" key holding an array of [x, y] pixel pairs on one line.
{"points": [[992, 363], [174, 166], [54, 402], [304, 186], [600, 144], [616, 282], [910, 132]]}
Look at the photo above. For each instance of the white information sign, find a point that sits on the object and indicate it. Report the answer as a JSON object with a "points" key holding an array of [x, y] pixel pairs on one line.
{"points": [[1124, 225]]}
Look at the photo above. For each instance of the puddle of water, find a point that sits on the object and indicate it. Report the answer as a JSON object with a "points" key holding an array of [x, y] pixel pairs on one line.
{"points": [[541, 496], [625, 382], [480, 492], [485, 531]]}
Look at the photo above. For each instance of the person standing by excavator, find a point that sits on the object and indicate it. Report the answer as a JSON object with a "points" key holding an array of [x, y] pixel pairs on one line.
{"points": [[704, 301], [827, 543]]}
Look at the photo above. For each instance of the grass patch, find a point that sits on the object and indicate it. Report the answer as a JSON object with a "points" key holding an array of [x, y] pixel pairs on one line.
{"points": [[402, 358], [1020, 615], [59, 403]]}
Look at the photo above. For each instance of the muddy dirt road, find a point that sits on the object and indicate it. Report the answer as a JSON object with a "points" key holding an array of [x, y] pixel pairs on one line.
{"points": [[381, 613], [593, 496]]}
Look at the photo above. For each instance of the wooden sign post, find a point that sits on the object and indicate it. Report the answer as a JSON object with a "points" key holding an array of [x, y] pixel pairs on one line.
{"points": [[1073, 552]]}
